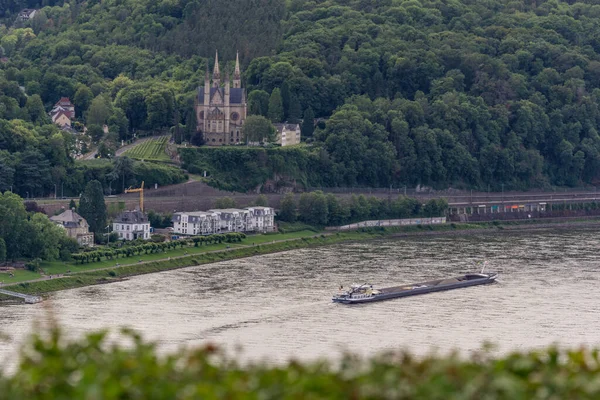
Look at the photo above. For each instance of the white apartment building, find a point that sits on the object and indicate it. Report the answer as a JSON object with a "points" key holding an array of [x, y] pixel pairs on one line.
{"points": [[261, 219], [232, 219], [131, 225], [196, 223], [250, 219]]}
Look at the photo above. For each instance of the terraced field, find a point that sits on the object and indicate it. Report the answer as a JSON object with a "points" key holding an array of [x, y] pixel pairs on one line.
{"points": [[150, 150]]}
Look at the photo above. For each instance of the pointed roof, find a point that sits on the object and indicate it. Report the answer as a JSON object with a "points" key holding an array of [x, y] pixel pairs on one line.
{"points": [[216, 72], [236, 74]]}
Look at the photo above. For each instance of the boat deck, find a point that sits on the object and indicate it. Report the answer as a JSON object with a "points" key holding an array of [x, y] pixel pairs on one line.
{"points": [[438, 282]]}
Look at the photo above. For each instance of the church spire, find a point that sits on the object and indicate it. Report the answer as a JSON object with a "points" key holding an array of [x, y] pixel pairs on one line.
{"points": [[216, 72], [236, 75]]}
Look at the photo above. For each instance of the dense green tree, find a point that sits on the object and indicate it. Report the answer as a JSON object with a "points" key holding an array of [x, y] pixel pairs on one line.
{"points": [[2, 250], [275, 106], [82, 99], [98, 111], [96, 132], [258, 103], [294, 110], [35, 109], [308, 123], [258, 129], [287, 208], [92, 207]]}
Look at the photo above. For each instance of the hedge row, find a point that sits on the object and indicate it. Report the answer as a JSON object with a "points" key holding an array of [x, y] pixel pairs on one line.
{"points": [[147, 248]]}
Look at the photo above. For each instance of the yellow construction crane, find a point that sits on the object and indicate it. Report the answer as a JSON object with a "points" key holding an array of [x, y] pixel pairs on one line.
{"points": [[141, 190]]}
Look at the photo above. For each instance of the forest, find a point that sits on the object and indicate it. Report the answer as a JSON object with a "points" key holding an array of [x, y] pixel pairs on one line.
{"points": [[459, 93]]}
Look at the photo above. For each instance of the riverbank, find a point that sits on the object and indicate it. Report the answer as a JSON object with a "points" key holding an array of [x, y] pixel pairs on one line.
{"points": [[117, 273]]}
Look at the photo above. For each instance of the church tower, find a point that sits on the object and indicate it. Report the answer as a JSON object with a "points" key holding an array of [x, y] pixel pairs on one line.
{"points": [[237, 81], [216, 72], [221, 110]]}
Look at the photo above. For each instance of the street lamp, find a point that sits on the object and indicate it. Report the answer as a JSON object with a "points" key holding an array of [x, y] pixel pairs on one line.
{"points": [[55, 191], [107, 235]]}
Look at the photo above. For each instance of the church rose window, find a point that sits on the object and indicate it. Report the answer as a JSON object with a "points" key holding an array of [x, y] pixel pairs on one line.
{"points": [[235, 116]]}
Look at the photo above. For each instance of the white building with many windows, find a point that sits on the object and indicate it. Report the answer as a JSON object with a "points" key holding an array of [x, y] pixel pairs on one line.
{"points": [[232, 219], [196, 223], [261, 219], [250, 219], [131, 225]]}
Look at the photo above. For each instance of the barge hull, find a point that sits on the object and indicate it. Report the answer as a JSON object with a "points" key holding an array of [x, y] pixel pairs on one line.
{"points": [[403, 291]]}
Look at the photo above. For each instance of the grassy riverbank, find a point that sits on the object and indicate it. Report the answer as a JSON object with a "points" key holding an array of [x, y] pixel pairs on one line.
{"points": [[107, 271]]}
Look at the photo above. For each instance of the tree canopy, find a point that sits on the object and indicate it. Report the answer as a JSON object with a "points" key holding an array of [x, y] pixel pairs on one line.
{"points": [[465, 93]]}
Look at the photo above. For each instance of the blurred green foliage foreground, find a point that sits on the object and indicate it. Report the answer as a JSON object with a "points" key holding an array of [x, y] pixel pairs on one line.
{"points": [[91, 368]]}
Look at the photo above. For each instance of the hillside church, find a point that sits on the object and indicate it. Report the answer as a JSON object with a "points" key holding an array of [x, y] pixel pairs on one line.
{"points": [[221, 110]]}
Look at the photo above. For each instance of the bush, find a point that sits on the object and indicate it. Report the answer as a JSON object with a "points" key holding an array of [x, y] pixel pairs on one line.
{"points": [[50, 362], [33, 265]]}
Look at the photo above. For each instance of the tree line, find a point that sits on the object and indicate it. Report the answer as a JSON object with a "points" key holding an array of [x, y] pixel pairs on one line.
{"points": [[320, 209]]}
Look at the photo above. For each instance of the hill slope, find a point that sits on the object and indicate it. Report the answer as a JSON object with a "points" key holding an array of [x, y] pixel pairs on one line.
{"points": [[467, 93]]}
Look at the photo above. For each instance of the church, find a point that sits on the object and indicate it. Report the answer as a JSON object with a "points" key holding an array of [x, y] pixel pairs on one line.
{"points": [[221, 110]]}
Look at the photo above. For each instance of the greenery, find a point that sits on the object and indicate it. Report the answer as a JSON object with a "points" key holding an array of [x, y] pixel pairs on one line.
{"points": [[258, 129], [159, 221], [485, 94], [150, 150], [30, 235], [93, 208], [50, 361], [319, 209], [147, 248]]}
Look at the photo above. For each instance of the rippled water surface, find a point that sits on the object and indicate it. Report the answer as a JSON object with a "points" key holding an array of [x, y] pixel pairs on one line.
{"points": [[279, 306]]}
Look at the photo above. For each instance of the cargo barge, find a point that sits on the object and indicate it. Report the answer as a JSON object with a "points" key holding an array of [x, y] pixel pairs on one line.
{"points": [[367, 293]]}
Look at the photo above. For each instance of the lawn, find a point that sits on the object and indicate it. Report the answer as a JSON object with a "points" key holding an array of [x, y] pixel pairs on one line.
{"points": [[59, 267], [20, 275], [150, 150]]}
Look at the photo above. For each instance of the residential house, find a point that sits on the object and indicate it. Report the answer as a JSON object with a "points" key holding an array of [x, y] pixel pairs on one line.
{"points": [[76, 227], [63, 112], [261, 219], [64, 104], [131, 225], [26, 14], [196, 223], [288, 134], [61, 118]]}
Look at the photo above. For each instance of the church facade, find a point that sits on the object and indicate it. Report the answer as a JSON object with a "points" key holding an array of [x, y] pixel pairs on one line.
{"points": [[221, 109]]}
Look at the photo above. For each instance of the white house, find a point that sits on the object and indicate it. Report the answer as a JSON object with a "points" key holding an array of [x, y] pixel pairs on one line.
{"points": [[196, 223], [131, 225], [261, 219], [288, 134]]}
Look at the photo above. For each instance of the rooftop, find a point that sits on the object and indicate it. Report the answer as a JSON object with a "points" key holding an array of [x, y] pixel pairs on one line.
{"points": [[132, 217]]}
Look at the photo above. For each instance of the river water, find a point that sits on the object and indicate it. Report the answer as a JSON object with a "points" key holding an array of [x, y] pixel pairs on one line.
{"points": [[277, 307]]}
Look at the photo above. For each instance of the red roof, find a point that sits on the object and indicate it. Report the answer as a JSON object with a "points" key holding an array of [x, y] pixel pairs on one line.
{"points": [[64, 101]]}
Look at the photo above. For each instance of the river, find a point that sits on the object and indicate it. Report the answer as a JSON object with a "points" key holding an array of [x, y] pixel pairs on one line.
{"points": [[276, 307]]}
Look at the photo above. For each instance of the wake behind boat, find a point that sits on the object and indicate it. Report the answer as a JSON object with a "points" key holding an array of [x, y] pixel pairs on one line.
{"points": [[367, 293]]}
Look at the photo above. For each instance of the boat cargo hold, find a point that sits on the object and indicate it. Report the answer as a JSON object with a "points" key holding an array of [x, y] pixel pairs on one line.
{"points": [[367, 293]]}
